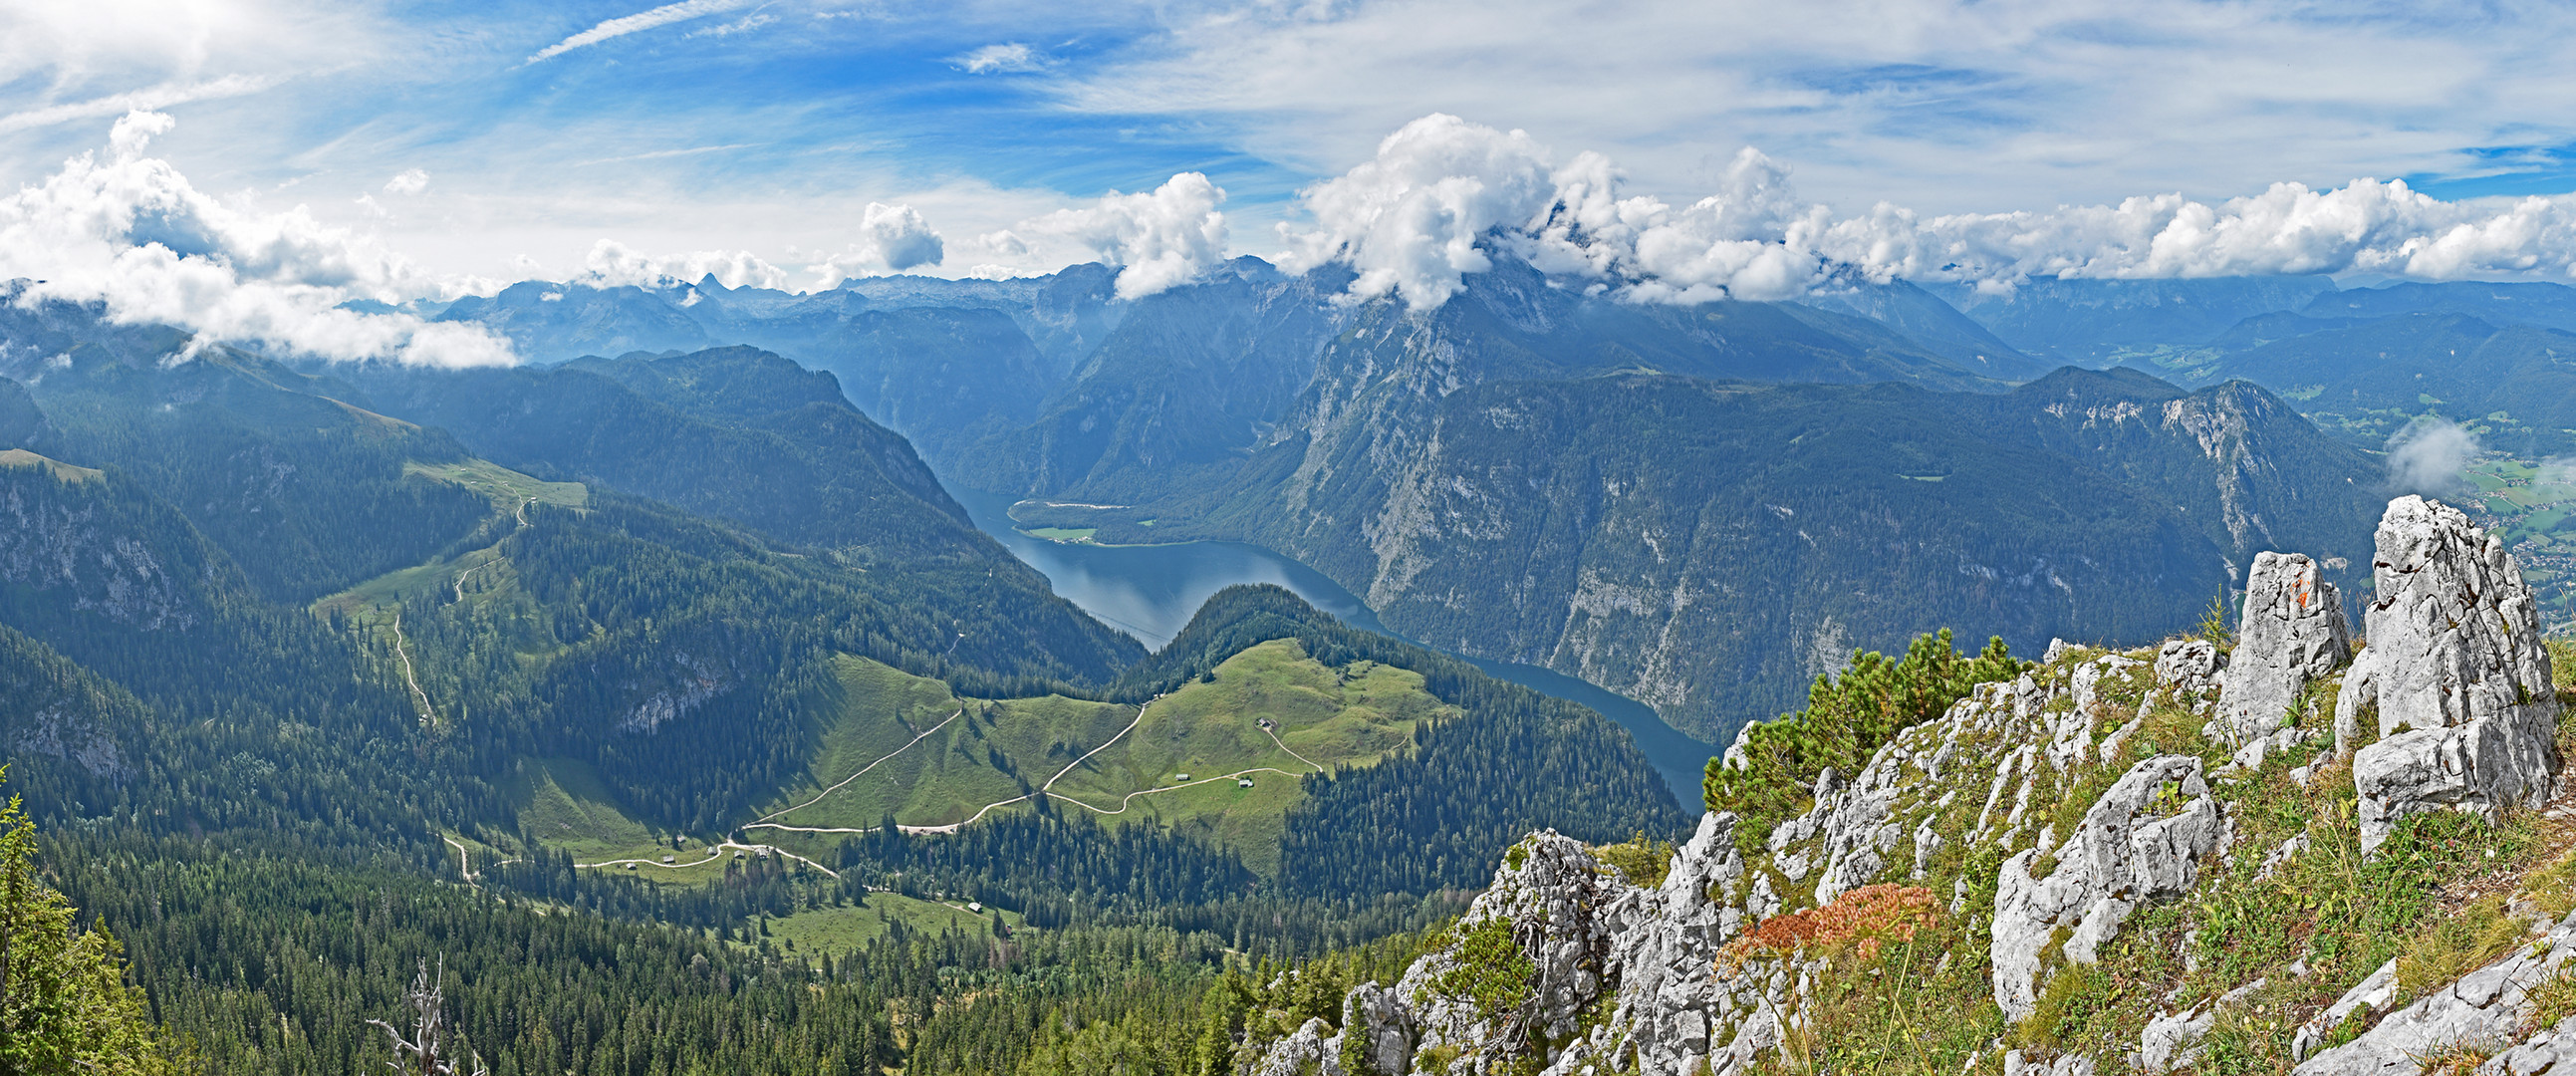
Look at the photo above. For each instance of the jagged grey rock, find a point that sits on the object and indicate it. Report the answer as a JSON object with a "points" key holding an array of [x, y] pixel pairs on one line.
{"points": [[2551, 1050], [2291, 632], [2190, 666], [2455, 674], [2484, 1008], [2142, 840], [2173, 1040], [1561, 908], [1373, 1013], [2018, 1064], [1305, 1052], [2369, 995]]}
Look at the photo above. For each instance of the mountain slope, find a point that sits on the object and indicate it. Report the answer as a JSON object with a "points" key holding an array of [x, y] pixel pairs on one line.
{"points": [[1707, 547], [2093, 321], [2515, 383]]}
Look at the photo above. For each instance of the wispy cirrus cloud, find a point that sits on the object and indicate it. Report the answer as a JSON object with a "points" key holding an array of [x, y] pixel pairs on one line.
{"points": [[664, 154], [743, 25], [639, 22], [166, 95]]}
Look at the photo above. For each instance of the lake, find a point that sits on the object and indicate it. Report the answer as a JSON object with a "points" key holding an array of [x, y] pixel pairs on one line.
{"points": [[1151, 592]]}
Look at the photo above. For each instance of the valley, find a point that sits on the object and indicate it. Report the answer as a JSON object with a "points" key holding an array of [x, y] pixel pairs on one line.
{"points": [[690, 642]]}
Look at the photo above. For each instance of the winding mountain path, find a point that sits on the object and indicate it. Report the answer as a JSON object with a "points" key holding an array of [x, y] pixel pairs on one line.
{"points": [[1274, 738], [863, 770], [953, 827], [521, 514], [1131, 797], [715, 853], [428, 713]]}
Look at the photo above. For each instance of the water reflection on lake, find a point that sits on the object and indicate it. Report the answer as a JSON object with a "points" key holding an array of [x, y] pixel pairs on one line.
{"points": [[1151, 592]]}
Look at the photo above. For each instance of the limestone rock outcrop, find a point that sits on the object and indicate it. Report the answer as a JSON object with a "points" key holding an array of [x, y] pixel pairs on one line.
{"points": [[2453, 684], [2087, 790], [2291, 632], [2485, 1008], [2142, 840], [1306, 1050]]}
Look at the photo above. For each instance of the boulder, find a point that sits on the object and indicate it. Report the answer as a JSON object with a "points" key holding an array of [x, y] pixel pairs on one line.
{"points": [[2189, 666], [2454, 681], [2141, 841], [2291, 632]]}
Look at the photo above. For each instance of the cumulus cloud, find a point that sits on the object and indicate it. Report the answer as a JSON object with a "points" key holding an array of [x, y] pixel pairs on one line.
{"points": [[2428, 455], [1011, 56], [892, 238], [1006, 243], [1442, 194], [131, 234], [1413, 219], [613, 264], [639, 22], [411, 181], [1165, 237]]}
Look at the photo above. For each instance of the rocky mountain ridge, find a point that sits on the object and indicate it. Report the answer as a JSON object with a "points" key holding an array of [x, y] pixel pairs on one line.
{"points": [[2148, 861]]}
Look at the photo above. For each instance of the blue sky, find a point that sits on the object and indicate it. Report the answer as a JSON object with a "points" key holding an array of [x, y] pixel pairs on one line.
{"points": [[542, 129]]}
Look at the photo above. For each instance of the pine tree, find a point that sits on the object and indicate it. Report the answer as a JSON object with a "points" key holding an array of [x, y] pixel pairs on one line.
{"points": [[64, 1004]]}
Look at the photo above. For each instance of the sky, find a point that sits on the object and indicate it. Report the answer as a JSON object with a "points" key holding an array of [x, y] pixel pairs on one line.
{"points": [[436, 147]]}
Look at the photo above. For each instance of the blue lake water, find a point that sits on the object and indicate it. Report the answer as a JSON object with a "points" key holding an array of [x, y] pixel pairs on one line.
{"points": [[1151, 592]]}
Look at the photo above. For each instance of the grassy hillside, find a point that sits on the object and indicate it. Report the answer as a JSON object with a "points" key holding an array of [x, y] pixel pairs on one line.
{"points": [[1322, 719], [895, 745]]}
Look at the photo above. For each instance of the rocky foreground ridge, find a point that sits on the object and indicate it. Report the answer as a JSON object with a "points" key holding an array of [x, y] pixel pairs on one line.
{"points": [[2250, 855]]}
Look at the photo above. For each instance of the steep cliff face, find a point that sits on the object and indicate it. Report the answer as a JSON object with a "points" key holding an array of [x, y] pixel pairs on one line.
{"points": [[1708, 547], [2080, 870], [93, 548]]}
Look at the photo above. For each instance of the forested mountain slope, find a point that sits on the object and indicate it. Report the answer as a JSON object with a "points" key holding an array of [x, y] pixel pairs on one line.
{"points": [[309, 672]]}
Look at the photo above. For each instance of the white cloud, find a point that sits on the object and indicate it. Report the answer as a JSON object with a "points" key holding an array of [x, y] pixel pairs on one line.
{"points": [[892, 238], [134, 131], [2428, 455], [1006, 243], [1011, 56], [2557, 471], [1968, 104], [1410, 220], [1441, 193], [132, 234], [410, 181], [137, 237], [1164, 237], [639, 22], [613, 264]]}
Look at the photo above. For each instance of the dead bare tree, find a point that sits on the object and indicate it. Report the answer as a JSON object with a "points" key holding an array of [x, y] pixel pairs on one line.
{"points": [[420, 1054]]}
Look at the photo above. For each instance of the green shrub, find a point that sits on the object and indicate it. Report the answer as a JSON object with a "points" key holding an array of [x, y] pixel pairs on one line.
{"points": [[1846, 720], [1642, 860]]}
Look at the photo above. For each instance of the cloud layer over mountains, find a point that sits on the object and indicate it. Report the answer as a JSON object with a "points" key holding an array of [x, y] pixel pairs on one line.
{"points": [[132, 233], [1410, 222], [1438, 200]]}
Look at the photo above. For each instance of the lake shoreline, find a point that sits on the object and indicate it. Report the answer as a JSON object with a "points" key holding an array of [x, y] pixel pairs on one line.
{"points": [[1151, 591]]}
